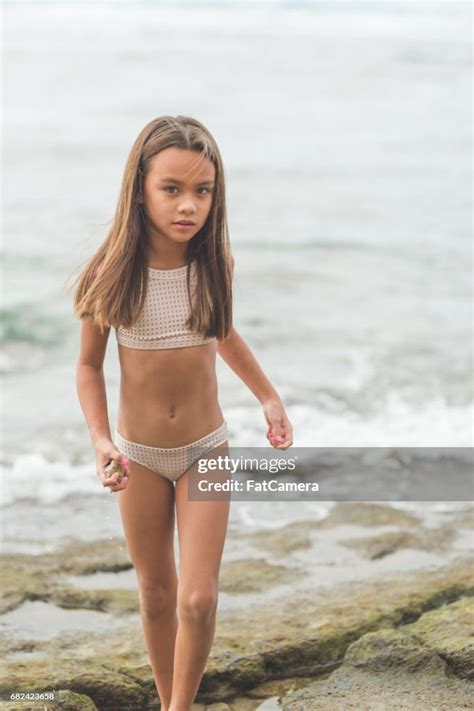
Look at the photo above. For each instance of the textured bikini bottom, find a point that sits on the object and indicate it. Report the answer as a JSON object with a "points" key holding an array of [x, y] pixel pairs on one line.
{"points": [[171, 462]]}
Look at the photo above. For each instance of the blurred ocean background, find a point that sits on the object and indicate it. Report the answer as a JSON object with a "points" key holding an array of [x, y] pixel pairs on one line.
{"points": [[345, 129]]}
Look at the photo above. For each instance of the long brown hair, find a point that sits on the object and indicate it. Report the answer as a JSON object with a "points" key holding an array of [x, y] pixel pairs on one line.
{"points": [[112, 286]]}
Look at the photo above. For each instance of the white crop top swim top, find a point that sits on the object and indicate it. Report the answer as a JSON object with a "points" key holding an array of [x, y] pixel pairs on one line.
{"points": [[162, 321]]}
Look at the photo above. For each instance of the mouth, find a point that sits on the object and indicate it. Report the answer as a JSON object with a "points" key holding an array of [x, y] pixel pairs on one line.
{"points": [[187, 223]]}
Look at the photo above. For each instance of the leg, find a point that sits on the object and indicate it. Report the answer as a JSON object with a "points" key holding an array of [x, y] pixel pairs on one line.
{"points": [[202, 527], [147, 511]]}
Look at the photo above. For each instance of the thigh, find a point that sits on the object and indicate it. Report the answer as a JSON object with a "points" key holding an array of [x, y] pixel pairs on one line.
{"points": [[202, 527], [147, 512]]}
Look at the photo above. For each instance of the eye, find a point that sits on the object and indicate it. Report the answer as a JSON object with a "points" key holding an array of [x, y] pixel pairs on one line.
{"points": [[169, 188]]}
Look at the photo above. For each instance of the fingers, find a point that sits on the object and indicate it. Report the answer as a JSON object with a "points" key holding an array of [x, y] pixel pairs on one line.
{"points": [[280, 438], [119, 487], [115, 480], [116, 476]]}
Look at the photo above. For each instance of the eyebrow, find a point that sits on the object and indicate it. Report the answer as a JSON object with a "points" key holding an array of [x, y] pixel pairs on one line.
{"points": [[169, 179]]}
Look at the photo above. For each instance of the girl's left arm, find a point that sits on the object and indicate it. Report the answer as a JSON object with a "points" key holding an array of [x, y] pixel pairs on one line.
{"points": [[238, 356]]}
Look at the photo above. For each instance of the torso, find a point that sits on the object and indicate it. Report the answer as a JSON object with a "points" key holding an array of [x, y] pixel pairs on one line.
{"points": [[168, 397]]}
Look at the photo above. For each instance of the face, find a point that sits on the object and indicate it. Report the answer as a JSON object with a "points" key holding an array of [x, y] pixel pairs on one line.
{"points": [[179, 187]]}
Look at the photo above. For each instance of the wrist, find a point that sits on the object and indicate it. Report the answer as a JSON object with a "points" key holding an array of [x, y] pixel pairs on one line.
{"points": [[271, 399], [97, 440]]}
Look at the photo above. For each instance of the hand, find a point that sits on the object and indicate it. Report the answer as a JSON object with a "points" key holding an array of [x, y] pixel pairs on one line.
{"points": [[106, 451], [280, 432]]}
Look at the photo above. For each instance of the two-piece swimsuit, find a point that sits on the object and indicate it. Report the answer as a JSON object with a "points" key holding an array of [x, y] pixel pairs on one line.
{"points": [[162, 324]]}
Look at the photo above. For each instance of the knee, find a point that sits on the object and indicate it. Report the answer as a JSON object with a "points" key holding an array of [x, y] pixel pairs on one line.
{"points": [[156, 599], [197, 605]]}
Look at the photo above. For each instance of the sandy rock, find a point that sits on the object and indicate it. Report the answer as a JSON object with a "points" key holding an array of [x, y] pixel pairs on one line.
{"points": [[115, 468], [449, 631], [243, 703], [86, 557], [366, 514], [277, 687], [103, 685], [117, 602], [282, 541], [375, 547], [308, 633], [37, 577], [70, 701], [393, 669], [252, 575], [227, 675]]}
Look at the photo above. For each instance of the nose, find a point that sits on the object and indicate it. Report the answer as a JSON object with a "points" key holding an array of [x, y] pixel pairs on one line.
{"points": [[187, 206]]}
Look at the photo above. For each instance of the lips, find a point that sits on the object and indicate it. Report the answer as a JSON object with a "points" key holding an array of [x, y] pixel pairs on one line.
{"points": [[184, 222]]}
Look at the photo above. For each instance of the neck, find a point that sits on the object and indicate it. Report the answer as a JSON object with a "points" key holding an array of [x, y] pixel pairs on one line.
{"points": [[167, 256]]}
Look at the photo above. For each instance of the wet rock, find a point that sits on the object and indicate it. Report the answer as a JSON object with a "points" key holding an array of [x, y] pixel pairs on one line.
{"points": [[22, 578], [382, 693], [282, 541], [70, 701], [35, 577], [388, 669], [307, 633], [392, 649], [277, 687], [86, 557], [449, 631], [243, 703], [227, 674], [106, 687], [427, 539], [143, 676], [252, 575], [359, 513], [117, 602]]}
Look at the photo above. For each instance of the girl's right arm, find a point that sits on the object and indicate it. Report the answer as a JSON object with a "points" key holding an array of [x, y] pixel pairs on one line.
{"points": [[90, 384]]}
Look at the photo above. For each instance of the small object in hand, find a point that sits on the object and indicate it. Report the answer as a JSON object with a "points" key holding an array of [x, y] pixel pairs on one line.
{"points": [[115, 468]]}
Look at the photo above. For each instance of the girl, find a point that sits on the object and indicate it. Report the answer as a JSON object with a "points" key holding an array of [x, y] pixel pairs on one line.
{"points": [[163, 280]]}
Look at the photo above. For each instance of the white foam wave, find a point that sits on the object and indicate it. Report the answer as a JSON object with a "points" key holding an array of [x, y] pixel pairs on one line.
{"points": [[32, 476]]}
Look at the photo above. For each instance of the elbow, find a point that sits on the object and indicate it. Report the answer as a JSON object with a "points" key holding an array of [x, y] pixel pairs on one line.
{"points": [[84, 369]]}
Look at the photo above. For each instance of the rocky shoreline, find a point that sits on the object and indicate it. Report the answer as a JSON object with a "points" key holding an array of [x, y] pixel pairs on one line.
{"points": [[402, 640]]}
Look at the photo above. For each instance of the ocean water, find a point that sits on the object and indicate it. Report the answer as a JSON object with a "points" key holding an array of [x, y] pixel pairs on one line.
{"points": [[345, 133]]}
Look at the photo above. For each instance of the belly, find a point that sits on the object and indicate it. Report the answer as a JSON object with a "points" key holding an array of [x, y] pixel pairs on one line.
{"points": [[168, 397]]}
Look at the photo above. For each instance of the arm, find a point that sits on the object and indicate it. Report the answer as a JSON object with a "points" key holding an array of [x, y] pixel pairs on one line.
{"points": [[241, 360], [238, 356], [90, 383]]}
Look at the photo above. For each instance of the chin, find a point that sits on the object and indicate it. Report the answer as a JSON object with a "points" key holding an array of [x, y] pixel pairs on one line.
{"points": [[181, 238]]}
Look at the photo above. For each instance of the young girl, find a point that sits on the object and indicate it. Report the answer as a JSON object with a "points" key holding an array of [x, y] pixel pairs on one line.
{"points": [[163, 280]]}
